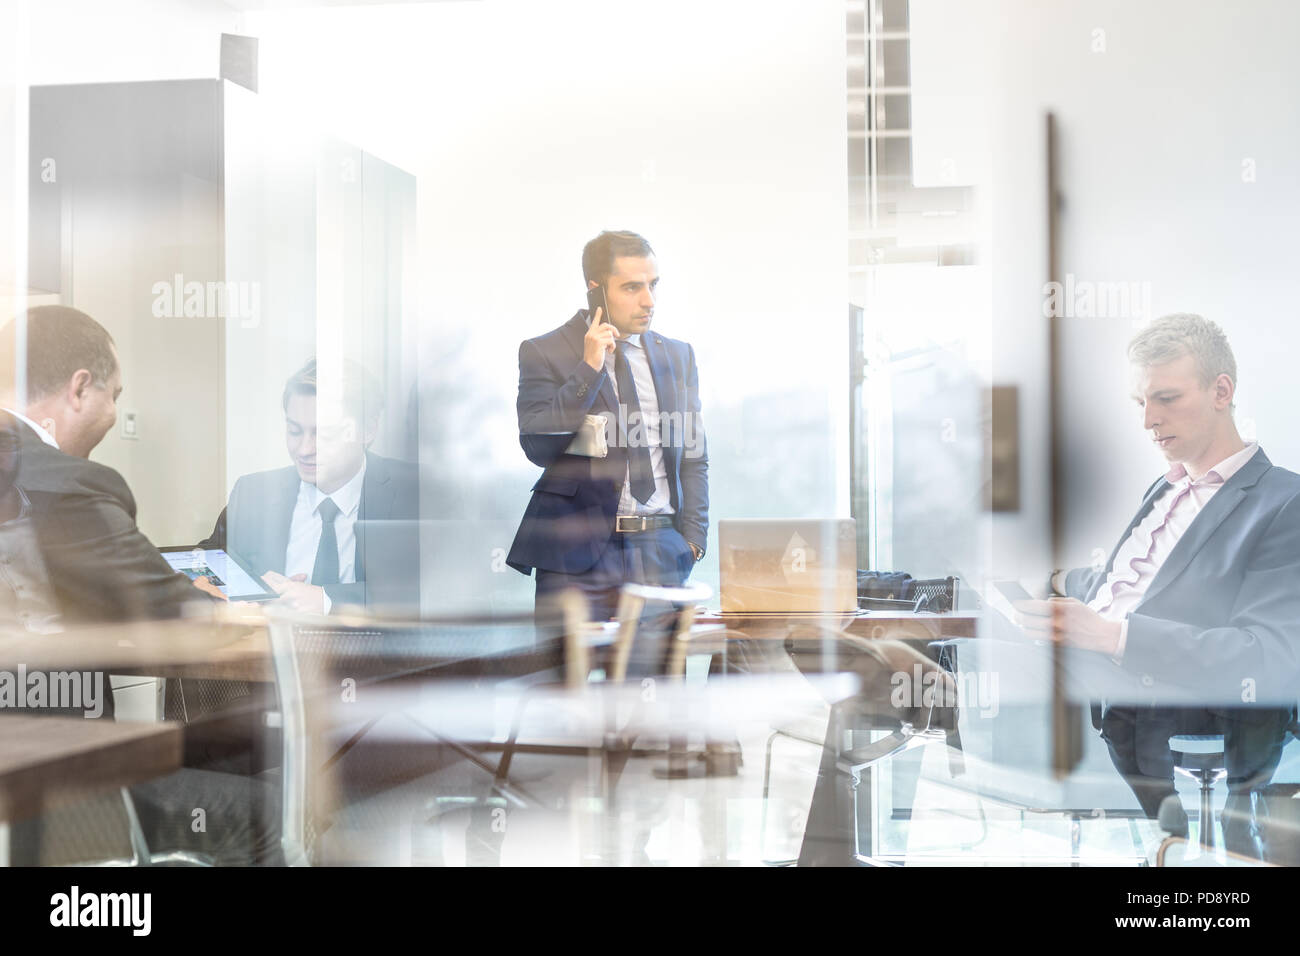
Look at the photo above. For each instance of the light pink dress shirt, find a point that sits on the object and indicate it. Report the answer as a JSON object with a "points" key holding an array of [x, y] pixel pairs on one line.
{"points": [[1144, 552]]}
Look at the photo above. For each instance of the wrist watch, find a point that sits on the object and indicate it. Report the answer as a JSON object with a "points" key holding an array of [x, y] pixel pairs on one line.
{"points": [[1056, 585], [696, 550]]}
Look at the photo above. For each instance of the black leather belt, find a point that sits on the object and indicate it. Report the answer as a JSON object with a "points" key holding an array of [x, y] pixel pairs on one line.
{"points": [[631, 524]]}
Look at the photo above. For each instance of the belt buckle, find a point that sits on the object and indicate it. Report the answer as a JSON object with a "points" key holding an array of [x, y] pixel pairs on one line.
{"points": [[619, 519]]}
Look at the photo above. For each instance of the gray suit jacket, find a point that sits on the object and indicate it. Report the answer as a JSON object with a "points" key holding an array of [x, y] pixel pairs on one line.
{"points": [[1221, 619], [255, 526]]}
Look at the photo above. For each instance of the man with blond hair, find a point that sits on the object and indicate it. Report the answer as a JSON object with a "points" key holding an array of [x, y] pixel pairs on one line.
{"points": [[1199, 602]]}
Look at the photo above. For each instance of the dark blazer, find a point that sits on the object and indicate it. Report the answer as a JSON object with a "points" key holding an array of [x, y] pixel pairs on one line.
{"points": [[1221, 619], [255, 526], [570, 518], [99, 564]]}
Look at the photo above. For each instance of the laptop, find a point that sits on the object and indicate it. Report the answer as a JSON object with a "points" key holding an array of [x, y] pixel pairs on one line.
{"points": [[788, 565]]}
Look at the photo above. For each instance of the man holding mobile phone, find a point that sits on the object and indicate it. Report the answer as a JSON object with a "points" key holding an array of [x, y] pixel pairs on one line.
{"points": [[634, 507], [1198, 602]]}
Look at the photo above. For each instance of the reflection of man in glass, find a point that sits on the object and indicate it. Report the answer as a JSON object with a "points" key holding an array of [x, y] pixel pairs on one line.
{"points": [[339, 525], [1202, 593]]}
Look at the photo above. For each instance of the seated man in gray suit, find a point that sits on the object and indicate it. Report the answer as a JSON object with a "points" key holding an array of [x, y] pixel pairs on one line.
{"points": [[340, 525], [1198, 606]]}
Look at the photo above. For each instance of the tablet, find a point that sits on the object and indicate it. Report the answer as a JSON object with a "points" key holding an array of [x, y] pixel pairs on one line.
{"points": [[229, 574]]}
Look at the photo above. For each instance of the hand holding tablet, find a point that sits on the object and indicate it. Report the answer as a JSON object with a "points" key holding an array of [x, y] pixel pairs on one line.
{"points": [[220, 571]]}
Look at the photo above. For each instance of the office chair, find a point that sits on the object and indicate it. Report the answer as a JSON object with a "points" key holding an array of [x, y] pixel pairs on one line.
{"points": [[614, 644], [928, 595], [1200, 757], [1279, 826], [1169, 853], [913, 720], [312, 654], [101, 830], [190, 699]]}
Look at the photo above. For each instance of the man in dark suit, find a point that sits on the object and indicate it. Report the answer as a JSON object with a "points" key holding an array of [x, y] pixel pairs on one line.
{"points": [[96, 563], [339, 526], [83, 514], [611, 411], [1198, 606]]}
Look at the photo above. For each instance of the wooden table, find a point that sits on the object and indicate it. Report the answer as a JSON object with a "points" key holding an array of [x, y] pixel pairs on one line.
{"points": [[227, 647], [45, 761], [245, 658], [235, 646]]}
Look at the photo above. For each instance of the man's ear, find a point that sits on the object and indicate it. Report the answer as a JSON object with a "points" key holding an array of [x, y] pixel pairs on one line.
{"points": [[592, 284], [78, 385], [1224, 390]]}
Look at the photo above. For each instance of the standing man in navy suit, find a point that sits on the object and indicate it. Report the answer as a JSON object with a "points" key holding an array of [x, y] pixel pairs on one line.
{"points": [[1198, 607], [611, 410]]}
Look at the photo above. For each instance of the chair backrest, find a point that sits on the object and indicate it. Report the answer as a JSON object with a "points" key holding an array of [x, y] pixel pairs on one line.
{"points": [[190, 699], [575, 615], [898, 682], [633, 598], [314, 659]]}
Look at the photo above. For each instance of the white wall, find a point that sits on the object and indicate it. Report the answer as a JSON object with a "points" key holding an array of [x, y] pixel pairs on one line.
{"points": [[1154, 132], [103, 41], [1154, 129], [82, 41], [13, 159]]}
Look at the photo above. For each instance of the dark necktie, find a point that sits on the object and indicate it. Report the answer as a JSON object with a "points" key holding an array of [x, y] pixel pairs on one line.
{"points": [[640, 472], [326, 570]]}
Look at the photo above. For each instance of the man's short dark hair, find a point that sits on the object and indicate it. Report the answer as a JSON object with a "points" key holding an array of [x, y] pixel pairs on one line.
{"points": [[60, 341], [361, 396], [598, 255]]}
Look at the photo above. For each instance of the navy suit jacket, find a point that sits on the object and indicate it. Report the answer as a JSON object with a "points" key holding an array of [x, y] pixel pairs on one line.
{"points": [[570, 518], [1221, 618], [255, 526]]}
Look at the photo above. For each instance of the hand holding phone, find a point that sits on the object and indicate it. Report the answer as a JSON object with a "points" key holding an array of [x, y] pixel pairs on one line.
{"points": [[600, 337], [596, 304], [1023, 616]]}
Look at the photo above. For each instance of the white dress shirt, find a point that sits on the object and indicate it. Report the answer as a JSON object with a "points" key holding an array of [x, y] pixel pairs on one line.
{"points": [[1147, 547], [305, 529], [660, 503], [44, 435]]}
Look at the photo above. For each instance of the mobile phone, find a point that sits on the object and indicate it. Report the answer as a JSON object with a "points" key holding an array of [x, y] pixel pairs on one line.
{"points": [[1012, 591], [596, 300]]}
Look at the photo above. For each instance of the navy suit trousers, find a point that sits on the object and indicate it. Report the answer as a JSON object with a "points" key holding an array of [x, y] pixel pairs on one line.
{"points": [[659, 557]]}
